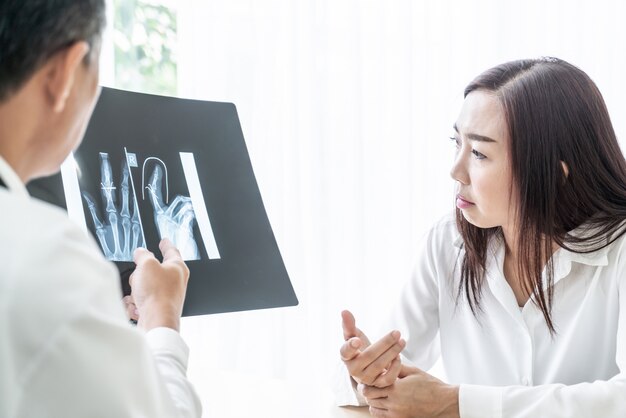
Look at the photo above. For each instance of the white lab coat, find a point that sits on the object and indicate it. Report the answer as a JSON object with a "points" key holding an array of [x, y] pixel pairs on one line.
{"points": [[505, 360], [66, 347]]}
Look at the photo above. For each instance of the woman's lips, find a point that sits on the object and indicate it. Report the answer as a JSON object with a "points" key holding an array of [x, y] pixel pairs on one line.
{"points": [[462, 203]]}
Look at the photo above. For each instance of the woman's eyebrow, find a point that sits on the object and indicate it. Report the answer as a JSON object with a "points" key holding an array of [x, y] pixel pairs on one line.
{"points": [[475, 137]]}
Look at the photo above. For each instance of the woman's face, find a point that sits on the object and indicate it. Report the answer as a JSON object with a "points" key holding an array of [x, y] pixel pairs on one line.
{"points": [[482, 166]]}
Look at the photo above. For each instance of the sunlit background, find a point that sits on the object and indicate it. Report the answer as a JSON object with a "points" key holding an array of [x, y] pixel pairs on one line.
{"points": [[346, 107]]}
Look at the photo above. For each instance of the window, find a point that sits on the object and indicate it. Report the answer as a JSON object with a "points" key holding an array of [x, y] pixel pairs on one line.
{"points": [[144, 41]]}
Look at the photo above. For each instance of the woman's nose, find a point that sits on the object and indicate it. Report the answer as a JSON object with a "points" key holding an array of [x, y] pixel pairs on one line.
{"points": [[458, 171]]}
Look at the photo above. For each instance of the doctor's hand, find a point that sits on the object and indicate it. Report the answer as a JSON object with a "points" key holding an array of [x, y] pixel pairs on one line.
{"points": [[414, 394], [376, 364], [158, 289]]}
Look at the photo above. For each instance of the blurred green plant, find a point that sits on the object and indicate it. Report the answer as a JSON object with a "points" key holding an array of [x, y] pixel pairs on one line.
{"points": [[144, 37]]}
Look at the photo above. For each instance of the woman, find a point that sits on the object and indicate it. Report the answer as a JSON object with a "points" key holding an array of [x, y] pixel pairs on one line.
{"points": [[523, 294]]}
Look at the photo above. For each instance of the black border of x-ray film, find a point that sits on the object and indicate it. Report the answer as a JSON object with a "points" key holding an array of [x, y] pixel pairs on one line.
{"points": [[250, 272]]}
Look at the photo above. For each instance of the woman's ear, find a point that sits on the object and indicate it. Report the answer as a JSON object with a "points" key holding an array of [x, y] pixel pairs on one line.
{"points": [[61, 71], [565, 169]]}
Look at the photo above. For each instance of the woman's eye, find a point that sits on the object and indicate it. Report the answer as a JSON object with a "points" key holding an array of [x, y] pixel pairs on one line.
{"points": [[478, 155], [456, 141]]}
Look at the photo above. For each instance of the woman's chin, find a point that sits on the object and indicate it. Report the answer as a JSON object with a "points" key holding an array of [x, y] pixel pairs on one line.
{"points": [[477, 221]]}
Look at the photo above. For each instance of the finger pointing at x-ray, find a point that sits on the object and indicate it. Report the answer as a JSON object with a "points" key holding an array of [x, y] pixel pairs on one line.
{"points": [[120, 233], [174, 221]]}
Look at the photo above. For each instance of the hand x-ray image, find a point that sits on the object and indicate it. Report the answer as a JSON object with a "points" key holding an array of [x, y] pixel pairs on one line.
{"points": [[173, 220], [119, 223], [119, 233], [153, 167]]}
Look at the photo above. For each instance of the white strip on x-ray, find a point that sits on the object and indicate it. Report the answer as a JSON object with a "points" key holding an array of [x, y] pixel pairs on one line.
{"points": [[71, 188], [132, 183], [197, 200]]}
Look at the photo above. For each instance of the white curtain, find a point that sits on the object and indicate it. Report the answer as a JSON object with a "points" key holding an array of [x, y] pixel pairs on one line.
{"points": [[346, 107]]}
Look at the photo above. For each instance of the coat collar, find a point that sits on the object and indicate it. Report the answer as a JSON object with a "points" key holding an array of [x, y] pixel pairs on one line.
{"points": [[11, 179]]}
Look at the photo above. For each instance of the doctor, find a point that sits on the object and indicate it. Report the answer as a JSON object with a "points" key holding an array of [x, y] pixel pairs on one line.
{"points": [[66, 349]]}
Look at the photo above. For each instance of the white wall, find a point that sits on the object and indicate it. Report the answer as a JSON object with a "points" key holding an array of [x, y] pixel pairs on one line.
{"points": [[346, 106]]}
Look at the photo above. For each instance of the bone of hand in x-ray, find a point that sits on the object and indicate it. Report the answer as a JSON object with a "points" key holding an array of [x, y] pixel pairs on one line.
{"points": [[143, 178], [75, 206], [174, 221], [124, 238]]}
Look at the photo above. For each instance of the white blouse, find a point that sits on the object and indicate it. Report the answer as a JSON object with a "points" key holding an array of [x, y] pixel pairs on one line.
{"points": [[505, 360]]}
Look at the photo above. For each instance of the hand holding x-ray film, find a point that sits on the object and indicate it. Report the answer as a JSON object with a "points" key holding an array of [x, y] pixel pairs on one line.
{"points": [[120, 232], [174, 221]]}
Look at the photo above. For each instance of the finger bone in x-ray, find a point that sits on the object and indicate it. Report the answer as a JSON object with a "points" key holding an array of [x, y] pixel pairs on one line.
{"points": [[174, 221], [118, 238]]}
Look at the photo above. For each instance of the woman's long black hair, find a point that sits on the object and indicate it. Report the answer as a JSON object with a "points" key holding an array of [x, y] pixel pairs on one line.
{"points": [[555, 114]]}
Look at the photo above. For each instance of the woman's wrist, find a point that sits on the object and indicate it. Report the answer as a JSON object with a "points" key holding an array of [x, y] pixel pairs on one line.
{"points": [[450, 396]]}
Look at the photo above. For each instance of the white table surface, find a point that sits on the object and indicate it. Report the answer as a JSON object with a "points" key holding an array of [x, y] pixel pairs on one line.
{"points": [[232, 395]]}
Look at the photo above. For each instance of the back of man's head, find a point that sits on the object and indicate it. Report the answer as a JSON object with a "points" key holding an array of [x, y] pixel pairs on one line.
{"points": [[32, 31]]}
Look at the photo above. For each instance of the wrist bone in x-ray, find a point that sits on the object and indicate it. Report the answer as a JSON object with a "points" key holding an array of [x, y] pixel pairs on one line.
{"points": [[121, 229]]}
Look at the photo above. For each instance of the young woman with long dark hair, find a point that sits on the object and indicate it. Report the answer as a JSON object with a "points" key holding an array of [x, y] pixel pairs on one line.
{"points": [[523, 292]]}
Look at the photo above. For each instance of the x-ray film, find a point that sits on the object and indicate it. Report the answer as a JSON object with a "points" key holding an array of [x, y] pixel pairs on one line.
{"points": [[115, 209], [153, 167]]}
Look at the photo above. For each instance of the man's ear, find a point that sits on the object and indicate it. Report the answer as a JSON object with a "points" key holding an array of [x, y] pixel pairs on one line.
{"points": [[61, 73]]}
